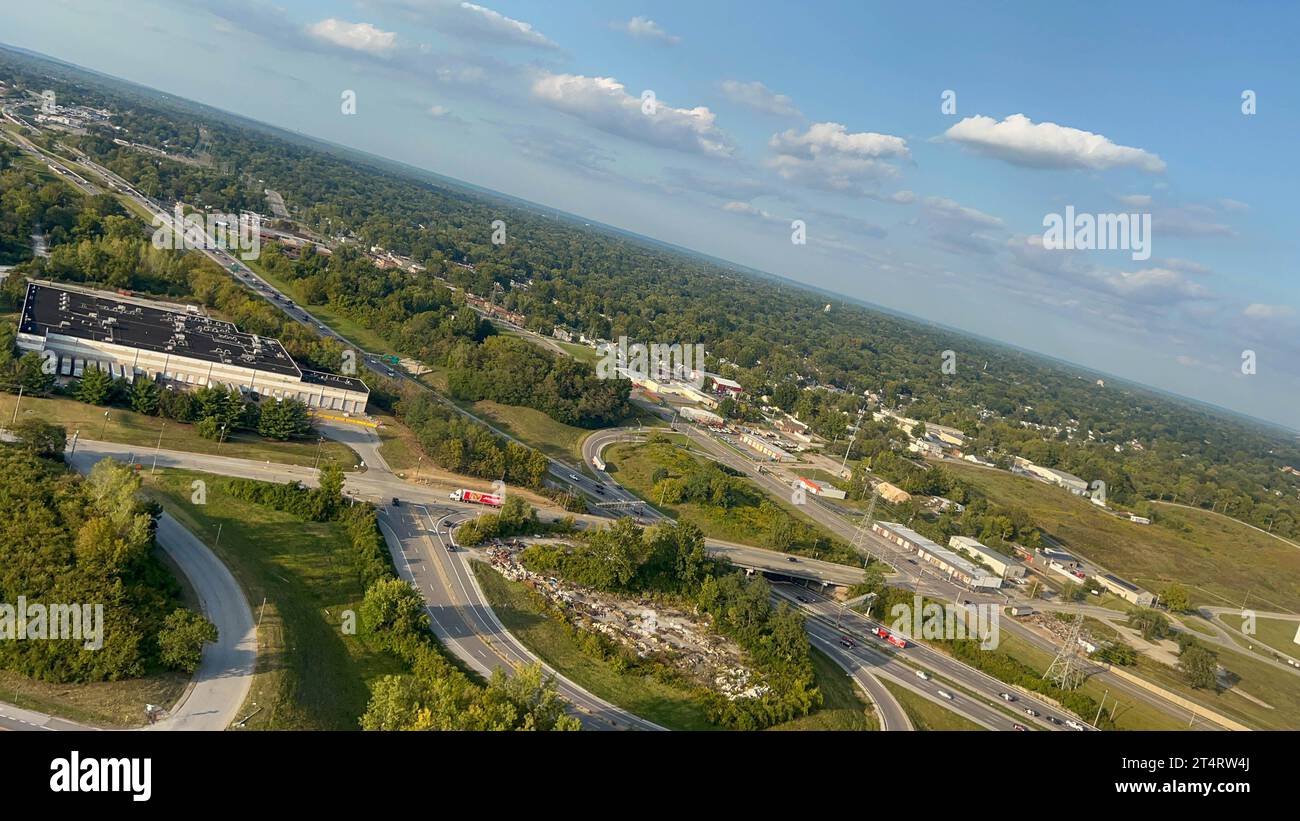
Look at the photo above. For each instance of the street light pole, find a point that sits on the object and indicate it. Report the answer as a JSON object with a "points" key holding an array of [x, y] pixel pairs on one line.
{"points": [[154, 469], [104, 429], [14, 421], [319, 442]]}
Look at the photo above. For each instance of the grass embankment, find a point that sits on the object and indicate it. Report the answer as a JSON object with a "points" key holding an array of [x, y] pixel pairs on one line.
{"points": [[130, 428], [106, 704], [327, 314], [1280, 634], [633, 464], [1217, 559], [925, 714], [310, 675], [665, 704]]}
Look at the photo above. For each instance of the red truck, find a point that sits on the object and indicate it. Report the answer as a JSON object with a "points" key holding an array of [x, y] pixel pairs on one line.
{"points": [[477, 497], [897, 641]]}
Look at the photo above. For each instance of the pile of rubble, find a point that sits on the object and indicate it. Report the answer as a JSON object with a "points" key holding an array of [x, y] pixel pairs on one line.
{"points": [[648, 628]]}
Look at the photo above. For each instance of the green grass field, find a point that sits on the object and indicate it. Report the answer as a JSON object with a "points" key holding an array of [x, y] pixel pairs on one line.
{"points": [[100, 704], [130, 428], [310, 675], [668, 705], [1280, 634], [925, 714], [1218, 560], [633, 464], [533, 428]]}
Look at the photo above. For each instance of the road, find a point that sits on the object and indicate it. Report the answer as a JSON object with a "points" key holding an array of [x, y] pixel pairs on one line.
{"points": [[921, 578], [908, 573], [423, 549], [225, 675]]}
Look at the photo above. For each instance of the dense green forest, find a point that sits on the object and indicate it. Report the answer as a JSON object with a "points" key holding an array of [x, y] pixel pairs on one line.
{"points": [[67, 541], [766, 332]]}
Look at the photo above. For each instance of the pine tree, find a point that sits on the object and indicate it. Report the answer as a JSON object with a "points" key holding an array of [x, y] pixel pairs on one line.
{"points": [[145, 396], [96, 386]]}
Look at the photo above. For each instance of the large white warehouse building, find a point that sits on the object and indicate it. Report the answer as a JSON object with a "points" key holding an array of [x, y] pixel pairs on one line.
{"points": [[176, 345]]}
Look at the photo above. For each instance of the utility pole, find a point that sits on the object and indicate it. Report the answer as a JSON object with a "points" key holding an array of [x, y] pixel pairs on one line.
{"points": [[14, 421], [1099, 706], [418, 462], [154, 469], [218, 541]]}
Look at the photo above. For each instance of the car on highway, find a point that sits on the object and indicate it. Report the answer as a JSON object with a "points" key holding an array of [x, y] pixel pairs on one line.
{"points": [[845, 641], [575, 477], [945, 694], [1054, 719], [1022, 728], [1073, 725], [1006, 697], [922, 675], [791, 559], [1030, 711], [804, 599]]}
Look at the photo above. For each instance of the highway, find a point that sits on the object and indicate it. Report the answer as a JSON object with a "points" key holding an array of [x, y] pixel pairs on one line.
{"points": [[425, 553], [908, 574], [920, 578]]}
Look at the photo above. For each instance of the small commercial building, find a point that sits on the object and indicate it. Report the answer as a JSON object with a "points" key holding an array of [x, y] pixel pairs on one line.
{"points": [[1127, 591], [821, 489], [892, 493], [1004, 566], [765, 448], [957, 567], [702, 417]]}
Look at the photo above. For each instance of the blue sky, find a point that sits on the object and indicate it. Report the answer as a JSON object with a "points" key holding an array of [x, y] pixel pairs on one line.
{"points": [[830, 114]]}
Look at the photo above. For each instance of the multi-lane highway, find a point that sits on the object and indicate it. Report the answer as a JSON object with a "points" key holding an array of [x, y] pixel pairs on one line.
{"points": [[420, 539], [920, 578]]}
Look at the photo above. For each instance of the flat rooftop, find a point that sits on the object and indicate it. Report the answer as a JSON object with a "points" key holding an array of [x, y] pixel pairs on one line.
{"points": [[101, 317], [1129, 586], [334, 380]]}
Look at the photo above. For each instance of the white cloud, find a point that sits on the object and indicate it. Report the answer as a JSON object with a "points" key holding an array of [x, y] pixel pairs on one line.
{"points": [[1020, 141], [747, 210], [1154, 285], [759, 97], [644, 28], [1136, 200], [468, 20], [1259, 310], [828, 157], [603, 103], [355, 36]]}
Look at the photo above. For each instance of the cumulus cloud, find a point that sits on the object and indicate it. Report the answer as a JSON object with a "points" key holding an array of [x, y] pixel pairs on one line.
{"points": [[1020, 141], [759, 97], [829, 157], [1260, 310], [603, 103], [643, 28], [355, 36], [1154, 286], [468, 20]]}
